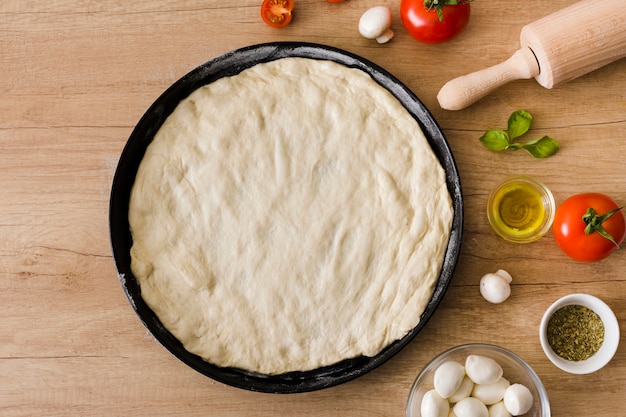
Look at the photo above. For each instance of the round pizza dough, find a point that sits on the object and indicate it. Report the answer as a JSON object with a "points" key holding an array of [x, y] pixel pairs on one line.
{"points": [[289, 217]]}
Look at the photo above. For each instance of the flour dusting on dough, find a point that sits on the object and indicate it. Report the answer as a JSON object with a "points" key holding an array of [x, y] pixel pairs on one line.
{"points": [[289, 217]]}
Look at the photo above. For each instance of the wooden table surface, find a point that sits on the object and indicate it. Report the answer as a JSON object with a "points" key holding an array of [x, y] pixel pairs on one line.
{"points": [[76, 78]]}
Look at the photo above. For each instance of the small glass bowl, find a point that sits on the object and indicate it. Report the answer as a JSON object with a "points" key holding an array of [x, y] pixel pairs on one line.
{"points": [[611, 334], [515, 370], [515, 196]]}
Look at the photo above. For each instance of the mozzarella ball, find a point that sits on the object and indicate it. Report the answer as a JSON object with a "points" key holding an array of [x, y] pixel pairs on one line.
{"points": [[518, 399], [434, 405], [465, 390], [482, 370], [498, 410], [470, 407], [448, 378], [491, 393]]}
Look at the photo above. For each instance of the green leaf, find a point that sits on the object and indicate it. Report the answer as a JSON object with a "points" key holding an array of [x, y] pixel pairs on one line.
{"points": [[436, 5], [542, 147], [496, 140], [519, 123], [594, 222], [514, 147]]}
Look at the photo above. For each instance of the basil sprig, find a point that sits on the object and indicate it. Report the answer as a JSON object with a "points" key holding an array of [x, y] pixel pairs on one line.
{"points": [[518, 124]]}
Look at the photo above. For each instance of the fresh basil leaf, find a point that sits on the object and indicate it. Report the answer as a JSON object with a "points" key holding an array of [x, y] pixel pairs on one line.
{"points": [[519, 123], [496, 140], [514, 146], [542, 147]]}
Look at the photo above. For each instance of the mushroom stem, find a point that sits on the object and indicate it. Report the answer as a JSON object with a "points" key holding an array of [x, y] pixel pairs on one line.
{"points": [[385, 37]]}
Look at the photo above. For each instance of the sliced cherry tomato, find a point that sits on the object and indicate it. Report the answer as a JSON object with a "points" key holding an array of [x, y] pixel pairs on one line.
{"points": [[589, 227], [434, 23], [277, 13], [335, 1]]}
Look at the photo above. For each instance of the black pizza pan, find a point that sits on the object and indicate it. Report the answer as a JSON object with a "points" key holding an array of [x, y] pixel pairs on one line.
{"points": [[230, 64]]}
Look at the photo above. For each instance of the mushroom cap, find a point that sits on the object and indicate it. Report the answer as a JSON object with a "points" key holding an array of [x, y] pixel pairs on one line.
{"points": [[375, 22], [495, 288]]}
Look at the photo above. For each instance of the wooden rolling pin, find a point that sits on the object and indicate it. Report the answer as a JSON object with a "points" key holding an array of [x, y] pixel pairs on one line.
{"points": [[555, 49]]}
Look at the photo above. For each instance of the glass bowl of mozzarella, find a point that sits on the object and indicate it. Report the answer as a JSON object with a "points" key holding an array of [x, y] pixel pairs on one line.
{"points": [[477, 380]]}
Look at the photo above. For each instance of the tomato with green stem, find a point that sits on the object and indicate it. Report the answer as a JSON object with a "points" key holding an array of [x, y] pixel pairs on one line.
{"points": [[589, 227], [434, 21], [277, 13]]}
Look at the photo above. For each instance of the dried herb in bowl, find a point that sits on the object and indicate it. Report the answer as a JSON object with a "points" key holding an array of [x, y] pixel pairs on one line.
{"points": [[575, 332]]}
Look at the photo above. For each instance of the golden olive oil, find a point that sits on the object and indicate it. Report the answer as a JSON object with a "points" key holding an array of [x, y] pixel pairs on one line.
{"points": [[519, 210]]}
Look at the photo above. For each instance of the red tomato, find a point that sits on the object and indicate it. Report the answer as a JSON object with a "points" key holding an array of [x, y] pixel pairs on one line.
{"points": [[424, 24], [277, 13], [335, 1], [588, 227]]}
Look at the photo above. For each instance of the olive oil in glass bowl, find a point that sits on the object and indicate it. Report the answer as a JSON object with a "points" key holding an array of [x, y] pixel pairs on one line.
{"points": [[521, 209]]}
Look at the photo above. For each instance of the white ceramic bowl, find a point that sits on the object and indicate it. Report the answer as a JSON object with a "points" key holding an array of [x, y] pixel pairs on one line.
{"points": [[611, 334], [515, 370]]}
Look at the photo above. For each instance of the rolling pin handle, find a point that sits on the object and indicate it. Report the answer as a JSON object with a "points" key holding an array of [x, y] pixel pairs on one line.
{"points": [[467, 89]]}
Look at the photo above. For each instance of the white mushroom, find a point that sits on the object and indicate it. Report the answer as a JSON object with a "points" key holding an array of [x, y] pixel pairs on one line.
{"points": [[495, 287], [375, 23]]}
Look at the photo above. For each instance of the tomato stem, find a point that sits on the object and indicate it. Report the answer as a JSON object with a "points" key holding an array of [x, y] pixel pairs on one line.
{"points": [[438, 4], [594, 223]]}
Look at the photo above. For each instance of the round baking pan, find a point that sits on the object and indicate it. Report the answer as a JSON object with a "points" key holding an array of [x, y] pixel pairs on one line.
{"points": [[233, 63]]}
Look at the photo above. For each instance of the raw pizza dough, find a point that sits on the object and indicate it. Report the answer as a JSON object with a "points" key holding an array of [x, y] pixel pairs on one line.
{"points": [[289, 217]]}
